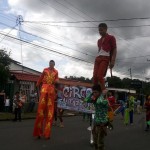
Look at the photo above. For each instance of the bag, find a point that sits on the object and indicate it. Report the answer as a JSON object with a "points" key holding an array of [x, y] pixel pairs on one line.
{"points": [[111, 115]]}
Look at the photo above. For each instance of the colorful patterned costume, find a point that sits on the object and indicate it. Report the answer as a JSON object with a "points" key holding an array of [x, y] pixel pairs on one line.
{"points": [[45, 110], [147, 107], [128, 118], [100, 120]]}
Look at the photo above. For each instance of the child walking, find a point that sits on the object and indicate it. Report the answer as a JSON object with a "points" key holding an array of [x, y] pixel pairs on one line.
{"points": [[101, 119]]}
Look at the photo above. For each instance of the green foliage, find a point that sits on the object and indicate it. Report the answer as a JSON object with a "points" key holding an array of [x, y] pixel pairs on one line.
{"points": [[126, 82], [83, 79], [5, 61], [116, 82]]}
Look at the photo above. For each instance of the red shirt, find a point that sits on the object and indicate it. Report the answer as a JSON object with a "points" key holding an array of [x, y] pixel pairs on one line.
{"points": [[108, 44], [111, 100]]}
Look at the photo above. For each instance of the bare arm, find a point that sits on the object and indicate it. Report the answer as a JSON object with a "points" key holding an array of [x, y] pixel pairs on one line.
{"points": [[113, 58], [40, 79]]}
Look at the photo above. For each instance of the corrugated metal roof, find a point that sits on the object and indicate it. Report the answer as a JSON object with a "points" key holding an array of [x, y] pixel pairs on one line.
{"points": [[25, 76]]}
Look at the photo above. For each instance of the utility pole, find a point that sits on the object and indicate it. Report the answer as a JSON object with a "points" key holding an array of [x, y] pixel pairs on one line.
{"points": [[19, 20], [130, 73], [131, 77]]}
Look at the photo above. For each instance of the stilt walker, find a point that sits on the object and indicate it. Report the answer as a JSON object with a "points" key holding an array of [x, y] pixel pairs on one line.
{"points": [[107, 50], [45, 112]]}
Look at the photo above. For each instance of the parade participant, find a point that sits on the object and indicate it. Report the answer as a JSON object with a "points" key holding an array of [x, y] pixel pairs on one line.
{"points": [[111, 100], [45, 112], [138, 106], [58, 113], [55, 112], [121, 108], [107, 51], [7, 104], [17, 107], [129, 109], [2, 100], [23, 96], [32, 101], [147, 107], [100, 120]]}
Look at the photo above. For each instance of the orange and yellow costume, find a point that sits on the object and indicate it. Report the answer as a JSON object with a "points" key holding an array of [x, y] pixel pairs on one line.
{"points": [[45, 110]]}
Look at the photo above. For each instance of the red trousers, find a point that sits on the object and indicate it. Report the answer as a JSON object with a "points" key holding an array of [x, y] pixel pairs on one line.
{"points": [[100, 70], [45, 112]]}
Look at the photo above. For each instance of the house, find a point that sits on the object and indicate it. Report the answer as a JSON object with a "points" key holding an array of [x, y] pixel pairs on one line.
{"points": [[22, 79]]}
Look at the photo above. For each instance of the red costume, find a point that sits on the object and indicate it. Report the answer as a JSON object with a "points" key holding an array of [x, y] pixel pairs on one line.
{"points": [[45, 110], [111, 100], [106, 44], [147, 106]]}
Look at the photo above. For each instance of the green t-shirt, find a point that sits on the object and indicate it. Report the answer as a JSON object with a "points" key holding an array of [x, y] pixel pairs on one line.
{"points": [[131, 103], [101, 109]]}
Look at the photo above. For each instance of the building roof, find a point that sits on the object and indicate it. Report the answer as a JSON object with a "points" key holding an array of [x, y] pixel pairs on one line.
{"points": [[23, 67], [25, 76], [74, 82]]}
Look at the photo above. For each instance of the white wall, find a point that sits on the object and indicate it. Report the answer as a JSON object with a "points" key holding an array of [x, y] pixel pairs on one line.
{"points": [[19, 68]]}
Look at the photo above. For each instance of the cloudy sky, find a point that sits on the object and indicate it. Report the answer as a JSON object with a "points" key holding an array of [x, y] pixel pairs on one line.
{"points": [[36, 31]]}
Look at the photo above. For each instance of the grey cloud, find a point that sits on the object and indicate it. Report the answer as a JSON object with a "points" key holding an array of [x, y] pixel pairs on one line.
{"points": [[128, 43]]}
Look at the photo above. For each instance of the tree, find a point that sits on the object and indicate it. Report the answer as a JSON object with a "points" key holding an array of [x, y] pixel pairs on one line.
{"points": [[114, 82], [5, 61], [82, 79], [126, 83]]}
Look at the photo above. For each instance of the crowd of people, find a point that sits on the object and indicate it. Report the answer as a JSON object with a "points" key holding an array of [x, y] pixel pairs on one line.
{"points": [[107, 107]]}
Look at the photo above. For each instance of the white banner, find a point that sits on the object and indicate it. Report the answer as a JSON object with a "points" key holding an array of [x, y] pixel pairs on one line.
{"points": [[71, 98]]}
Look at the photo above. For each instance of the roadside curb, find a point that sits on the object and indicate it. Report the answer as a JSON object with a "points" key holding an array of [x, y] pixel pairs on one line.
{"points": [[33, 117]]}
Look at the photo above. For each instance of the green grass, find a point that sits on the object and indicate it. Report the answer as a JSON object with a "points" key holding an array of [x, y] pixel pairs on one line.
{"points": [[10, 116]]}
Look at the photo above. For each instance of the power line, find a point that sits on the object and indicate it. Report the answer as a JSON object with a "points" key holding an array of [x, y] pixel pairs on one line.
{"points": [[39, 46], [68, 8], [50, 50], [132, 57], [74, 49], [53, 42], [84, 21], [69, 47], [8, 33], [47, 4], [83, 27], [82, 11]]}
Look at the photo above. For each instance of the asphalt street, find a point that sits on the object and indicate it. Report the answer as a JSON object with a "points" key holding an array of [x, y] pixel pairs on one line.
{"points": [[74, 136]]}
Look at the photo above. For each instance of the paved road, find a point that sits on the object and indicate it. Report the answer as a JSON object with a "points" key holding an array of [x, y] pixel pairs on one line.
{"points": [[74, 136]]}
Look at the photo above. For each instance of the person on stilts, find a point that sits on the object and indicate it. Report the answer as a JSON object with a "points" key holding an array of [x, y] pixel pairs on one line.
{"points": [[45, 112], [107, 50]]}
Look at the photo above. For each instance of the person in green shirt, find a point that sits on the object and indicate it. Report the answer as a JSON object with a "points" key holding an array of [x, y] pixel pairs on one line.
{"points": [[129, 111], [131, 107], [101, 118]]}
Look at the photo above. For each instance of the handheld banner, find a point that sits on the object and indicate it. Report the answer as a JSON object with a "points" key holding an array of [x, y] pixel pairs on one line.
{"points": [[71, 97]]}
